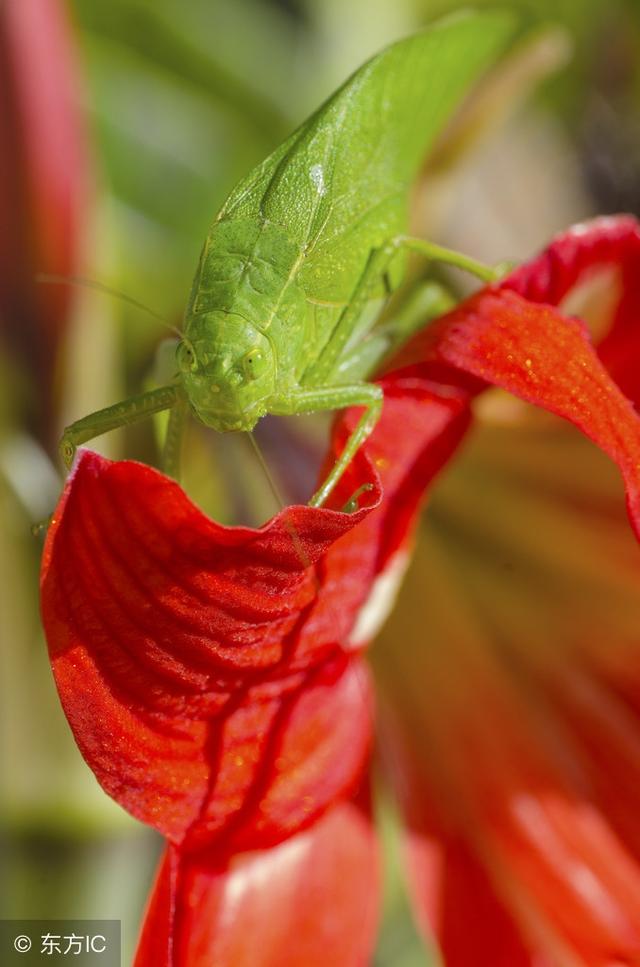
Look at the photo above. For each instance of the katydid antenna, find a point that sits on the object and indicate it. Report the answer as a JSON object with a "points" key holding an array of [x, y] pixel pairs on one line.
{"points": [[44, 278]]}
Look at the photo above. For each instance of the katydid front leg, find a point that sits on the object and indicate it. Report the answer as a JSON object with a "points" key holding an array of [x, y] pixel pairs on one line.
{"points": [[120, 414], [172, 450], [336, 398]]}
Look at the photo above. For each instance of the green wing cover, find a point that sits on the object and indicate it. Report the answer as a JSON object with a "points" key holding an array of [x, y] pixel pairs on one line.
{"points": [[339, 185]]}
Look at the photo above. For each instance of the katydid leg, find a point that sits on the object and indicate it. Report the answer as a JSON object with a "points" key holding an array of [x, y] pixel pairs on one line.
{"points": [[319, 373], [377, 267], [426, 302], [172, 450], [120, 414], [362, 430], [336, 398], [437, 253]]}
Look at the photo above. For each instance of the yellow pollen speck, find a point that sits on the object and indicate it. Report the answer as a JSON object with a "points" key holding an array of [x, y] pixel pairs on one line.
{"points": [[239, 760], [528, 363]]}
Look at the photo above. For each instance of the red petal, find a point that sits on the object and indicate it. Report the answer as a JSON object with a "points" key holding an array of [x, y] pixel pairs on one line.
{"points": [[156, 944], [310, 901], [543, 357], [575, 256], [456, 900], [481, 753], [524, 750], [203, 669], [433, 423], [174, 646]]}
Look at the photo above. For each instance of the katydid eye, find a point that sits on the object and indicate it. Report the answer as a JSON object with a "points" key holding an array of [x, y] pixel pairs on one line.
{"points": [[186, 357], [254, 364]]}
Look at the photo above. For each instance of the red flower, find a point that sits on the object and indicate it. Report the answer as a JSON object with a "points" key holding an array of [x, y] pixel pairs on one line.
{"points": [[519, 775], [214, 681]]}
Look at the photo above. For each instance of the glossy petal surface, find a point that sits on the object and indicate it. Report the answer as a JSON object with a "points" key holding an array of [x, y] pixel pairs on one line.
{"points": [[309, 901], [209, 673]]}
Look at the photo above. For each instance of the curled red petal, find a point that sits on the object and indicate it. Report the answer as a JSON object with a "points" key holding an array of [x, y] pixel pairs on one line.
{"points": [[239, 767], [548, 277], [535, 352], [206, 671], [311, 900], [159, 621], [573, 257]]}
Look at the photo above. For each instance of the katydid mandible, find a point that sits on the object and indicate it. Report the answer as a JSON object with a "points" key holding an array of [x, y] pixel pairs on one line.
{"points": [[276, 321]]}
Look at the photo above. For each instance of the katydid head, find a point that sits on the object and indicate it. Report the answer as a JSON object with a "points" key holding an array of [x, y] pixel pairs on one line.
{"points": [[227, 370]]}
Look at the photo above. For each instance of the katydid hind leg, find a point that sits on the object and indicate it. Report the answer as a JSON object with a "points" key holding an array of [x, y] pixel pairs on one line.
{"points": [[320, 371], [377, 269], [128, 411], [425, 302]]}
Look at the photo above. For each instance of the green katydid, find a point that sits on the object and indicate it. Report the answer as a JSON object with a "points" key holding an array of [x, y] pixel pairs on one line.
{"points": [[276, 320]]}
